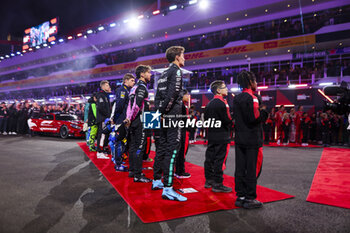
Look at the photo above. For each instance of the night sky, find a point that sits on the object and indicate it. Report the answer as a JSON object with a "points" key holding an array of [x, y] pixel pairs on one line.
{"points": [[18, 15]]}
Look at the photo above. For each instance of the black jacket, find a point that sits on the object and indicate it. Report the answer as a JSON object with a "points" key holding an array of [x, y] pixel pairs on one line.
{"points": [[120, 104], [103, 106], [91, 115], [33, 111], [3, 112], [248, 120], [13, 113], [217, 109], [168, 99]]}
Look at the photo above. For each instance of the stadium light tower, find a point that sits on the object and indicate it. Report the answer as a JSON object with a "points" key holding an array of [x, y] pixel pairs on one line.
{"points": [[203, 4], [134, 23]]}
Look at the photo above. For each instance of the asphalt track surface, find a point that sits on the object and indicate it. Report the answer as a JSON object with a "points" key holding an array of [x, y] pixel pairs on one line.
{"points": [[48, 184]]}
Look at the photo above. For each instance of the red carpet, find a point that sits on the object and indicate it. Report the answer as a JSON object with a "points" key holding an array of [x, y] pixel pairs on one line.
{"points": [[149, 205], [331, 184], [273, 144], [200, 142]]}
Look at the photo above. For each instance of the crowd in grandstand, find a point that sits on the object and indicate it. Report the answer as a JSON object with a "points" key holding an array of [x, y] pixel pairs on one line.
{"points": [[202, 78], [258, 32]]}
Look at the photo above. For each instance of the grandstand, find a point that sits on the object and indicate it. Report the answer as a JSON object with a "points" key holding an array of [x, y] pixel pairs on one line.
{"points": [[282, 43]]}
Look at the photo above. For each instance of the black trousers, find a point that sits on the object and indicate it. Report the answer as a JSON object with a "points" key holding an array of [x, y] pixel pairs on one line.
{"points": [[12, 124], [102, 139], [167, 150], [215, 159], [137, 147], [180, 159], [305, 135], [267, 136], [286, 134], [246, 171], [326, 137]]}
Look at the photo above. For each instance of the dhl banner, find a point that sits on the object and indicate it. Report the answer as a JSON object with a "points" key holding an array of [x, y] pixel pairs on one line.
{"points": [[254, 47]]}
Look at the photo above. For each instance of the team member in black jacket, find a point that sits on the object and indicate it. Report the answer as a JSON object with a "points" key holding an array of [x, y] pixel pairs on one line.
{"points": [[138, 103], [3, 118], [218, 138], [13, 118], [168, 101], [103, 112], [249, 139]]}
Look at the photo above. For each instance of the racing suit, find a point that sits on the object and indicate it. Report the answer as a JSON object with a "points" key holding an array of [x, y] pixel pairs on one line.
{"points": [[120, 104], [118, 115], [138, 103], [103, 112], [168, 101], [92, 124], [248, 142]]}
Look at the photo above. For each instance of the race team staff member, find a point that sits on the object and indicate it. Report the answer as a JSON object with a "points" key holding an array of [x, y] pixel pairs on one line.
{"points": [[298, 118], [118, 115], [249, 139], [103, 112], [279, 121], [168, 101], [218, 138], [138, 103]]}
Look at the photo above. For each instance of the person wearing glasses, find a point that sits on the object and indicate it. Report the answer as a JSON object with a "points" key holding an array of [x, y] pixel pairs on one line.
{"points": [[218, 138]]}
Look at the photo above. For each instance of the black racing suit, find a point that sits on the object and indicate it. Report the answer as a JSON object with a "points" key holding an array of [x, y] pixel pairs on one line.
{"points": [[118, 115], [248, 142], [120, 104], [168, 101], [103, 112], [138, 103]]}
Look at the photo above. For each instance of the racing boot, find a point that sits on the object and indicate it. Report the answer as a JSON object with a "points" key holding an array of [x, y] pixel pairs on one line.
{"points": [[121, 168], [141, 179], [101, 155], [157, 184], [92, 148], [170, 194]]}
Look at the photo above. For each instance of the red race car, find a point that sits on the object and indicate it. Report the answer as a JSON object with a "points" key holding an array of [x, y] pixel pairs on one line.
{"points": [[63, 124]]}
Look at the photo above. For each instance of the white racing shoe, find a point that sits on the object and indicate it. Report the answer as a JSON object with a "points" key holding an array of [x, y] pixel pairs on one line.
{"points": [[101, 155]]}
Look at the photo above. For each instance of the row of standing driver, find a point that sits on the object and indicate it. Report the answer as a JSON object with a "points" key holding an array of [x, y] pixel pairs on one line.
{"points": [[171, 144]]}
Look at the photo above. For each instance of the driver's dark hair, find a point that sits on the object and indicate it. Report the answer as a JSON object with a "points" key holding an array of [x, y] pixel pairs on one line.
{"points": [[215, 85], [244, 78], [141, 69], [173, 51]]}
